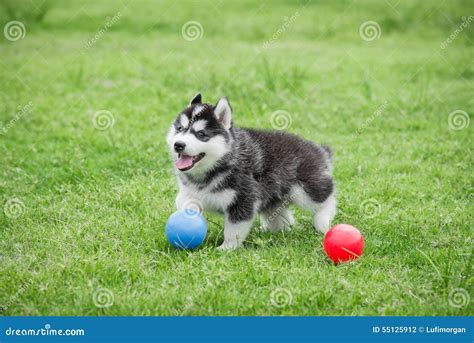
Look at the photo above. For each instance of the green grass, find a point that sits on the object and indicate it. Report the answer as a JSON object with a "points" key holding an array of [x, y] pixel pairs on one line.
{"points": [[95, 202]]}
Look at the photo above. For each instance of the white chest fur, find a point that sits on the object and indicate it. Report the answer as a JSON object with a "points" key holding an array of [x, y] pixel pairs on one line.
{"points": [[215, 201]]}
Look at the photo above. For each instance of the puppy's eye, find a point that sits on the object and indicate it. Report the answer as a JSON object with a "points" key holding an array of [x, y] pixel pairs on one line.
{"points": [[201, 134], [180, 128]]}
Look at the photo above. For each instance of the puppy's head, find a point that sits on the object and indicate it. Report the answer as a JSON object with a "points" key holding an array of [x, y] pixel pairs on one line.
{"points": [[199, 136]]}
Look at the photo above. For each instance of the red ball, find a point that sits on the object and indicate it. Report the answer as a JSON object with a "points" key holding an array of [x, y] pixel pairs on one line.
{"points": [[343, 242]]}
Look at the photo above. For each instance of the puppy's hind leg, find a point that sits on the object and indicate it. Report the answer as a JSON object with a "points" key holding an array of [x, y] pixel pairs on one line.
{"points": [[278, 220], [324, 213]]}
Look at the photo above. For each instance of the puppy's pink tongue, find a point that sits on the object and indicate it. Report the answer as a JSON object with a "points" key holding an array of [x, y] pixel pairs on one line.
{"points": [[184, 162]]}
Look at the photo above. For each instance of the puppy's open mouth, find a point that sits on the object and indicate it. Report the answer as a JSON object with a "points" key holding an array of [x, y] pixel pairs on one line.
{"points": [[186, 162]]}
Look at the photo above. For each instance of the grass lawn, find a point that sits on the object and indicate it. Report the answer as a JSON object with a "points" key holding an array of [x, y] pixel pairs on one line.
{"points": [[86, 184]]}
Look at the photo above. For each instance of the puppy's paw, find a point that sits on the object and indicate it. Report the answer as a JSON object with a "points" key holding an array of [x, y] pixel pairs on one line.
{"points": [[228, 246], [264, 227], [281, 221]]}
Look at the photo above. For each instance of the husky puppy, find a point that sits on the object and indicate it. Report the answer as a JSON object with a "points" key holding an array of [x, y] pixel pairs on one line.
{"points": [[244, 172]]}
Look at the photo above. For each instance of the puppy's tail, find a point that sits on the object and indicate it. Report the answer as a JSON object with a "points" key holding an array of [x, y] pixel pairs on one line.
{"points": [[328, 152]]}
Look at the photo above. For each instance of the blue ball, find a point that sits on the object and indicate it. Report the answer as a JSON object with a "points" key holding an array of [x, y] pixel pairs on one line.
{"points": [[186, 229]]}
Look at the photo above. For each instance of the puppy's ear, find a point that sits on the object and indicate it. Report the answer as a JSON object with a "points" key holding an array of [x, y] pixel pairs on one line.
{"points": [[223, 113], [195, 100]]}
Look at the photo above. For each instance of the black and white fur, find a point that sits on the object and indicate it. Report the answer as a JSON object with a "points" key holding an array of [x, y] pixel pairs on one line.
{"points": [[245, 172]]}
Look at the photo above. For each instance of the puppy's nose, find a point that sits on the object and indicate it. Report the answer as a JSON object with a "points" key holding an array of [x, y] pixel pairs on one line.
{"points": [[179, 146]]}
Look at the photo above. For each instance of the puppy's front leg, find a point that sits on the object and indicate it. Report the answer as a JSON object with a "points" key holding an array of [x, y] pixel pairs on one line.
{"points": [[236, 227], [184, 200], [235, 234]]}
